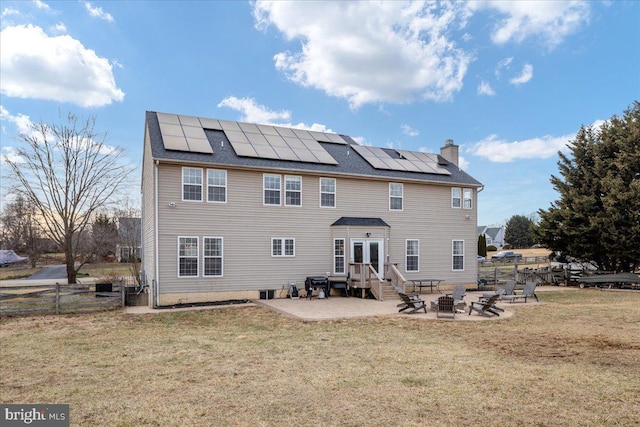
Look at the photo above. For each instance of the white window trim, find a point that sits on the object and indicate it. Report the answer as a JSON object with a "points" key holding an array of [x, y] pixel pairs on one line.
{"points": [[197, 257], [454, 255], [285, 190], [226, 192], [406, 256], [464, 199], [282, 246], [204, 257], [264, 200], [183, 184], [343, 256], [396, 197], [459, 198], [335, 191]]}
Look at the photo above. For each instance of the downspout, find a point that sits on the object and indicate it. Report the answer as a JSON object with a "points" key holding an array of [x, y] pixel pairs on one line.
{"points": [[157, 263]]}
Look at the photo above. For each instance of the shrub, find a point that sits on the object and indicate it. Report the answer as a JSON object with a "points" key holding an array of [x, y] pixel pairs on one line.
{"points": [[491, 248]]}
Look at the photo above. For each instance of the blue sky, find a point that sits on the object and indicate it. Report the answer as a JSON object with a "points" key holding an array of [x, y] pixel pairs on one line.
{"points": [[510, 82]]}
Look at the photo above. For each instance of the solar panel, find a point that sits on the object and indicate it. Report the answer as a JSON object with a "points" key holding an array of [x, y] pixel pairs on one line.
{"points": [[302, 134], [176, 143], [268, 130], [249, 128], [189, 121], [168, 118], [199, 145], [411, 161], [210, 124], [286, 132], [187, 133], [194, 132], [244, 149], [227, 125], [172, 130], [285, 153]]}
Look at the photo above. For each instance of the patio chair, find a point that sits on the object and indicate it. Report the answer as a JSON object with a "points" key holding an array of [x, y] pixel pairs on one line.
{"points": [[528, 292], [507, 290], [458, 295], [445, 304], [485, 308], [413, 304]]}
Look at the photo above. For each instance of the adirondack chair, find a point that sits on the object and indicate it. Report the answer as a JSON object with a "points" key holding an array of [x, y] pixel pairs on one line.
{"points": [[445, 305], [411, 303], [485, 308], [458, 295], [507, 290], [528, 292]]}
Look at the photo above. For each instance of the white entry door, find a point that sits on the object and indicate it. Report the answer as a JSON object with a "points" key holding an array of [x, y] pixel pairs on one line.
{"points": [[368, 251]]}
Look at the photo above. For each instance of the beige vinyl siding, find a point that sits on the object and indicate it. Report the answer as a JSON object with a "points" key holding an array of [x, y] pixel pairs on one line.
{"points": [[148, 213], [247, 227]]}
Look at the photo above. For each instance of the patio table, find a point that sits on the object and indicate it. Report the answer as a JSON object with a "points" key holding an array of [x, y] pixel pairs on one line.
{"points": [[423, 283]]}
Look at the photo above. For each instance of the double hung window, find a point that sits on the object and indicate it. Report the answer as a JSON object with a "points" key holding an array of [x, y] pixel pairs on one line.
{"points": [[457, 252], [271, 189], [293, 190], [413, 255], [327, 192], [217, 185], [187, 256], [395, 196], [212, 256], [192, 184], [456, 197]]}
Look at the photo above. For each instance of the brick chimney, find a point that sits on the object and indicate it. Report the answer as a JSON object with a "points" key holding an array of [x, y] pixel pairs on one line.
{"points": [[450, 151]]}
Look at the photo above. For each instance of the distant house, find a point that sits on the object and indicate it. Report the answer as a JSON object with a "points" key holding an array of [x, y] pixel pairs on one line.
{"points": [[494, 235], [231, 209]]}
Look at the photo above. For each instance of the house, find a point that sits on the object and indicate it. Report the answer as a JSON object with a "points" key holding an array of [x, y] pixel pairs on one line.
{"points": [[494, 235], [231, 209]]}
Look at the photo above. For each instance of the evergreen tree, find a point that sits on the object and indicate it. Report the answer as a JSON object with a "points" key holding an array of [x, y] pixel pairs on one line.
{"points": [[518, 231], [482, 245], [597, 217]]}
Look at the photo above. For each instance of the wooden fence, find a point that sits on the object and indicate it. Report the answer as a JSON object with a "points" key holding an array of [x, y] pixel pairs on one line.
{"points": [[536, 269], [59, 299]]}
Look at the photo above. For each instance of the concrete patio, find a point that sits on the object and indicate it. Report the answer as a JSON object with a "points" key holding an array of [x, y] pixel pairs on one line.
{"points": [[335, 307]]}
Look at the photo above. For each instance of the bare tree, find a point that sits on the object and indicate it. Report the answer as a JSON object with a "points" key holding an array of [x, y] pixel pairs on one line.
{"points": [[20, 229], [130, 239], [68, 173]]}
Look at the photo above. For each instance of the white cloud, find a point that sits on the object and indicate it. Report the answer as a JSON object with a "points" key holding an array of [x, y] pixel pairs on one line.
{"points": [[368, 53], [97, 12], [502, 151], [34, 65], [9, 12], [408, 130], [503, 64], [548, 21], [21, 121], [59, 28], [524, 77], [463, 163], [484, 88], [252, 112], [41, 5]]}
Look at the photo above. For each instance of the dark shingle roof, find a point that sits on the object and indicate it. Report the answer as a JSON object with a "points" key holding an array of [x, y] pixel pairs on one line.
{"points": [[363, 222], [349, 162]]}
